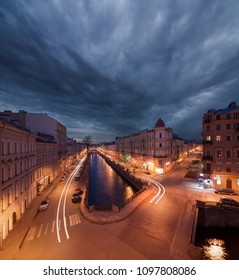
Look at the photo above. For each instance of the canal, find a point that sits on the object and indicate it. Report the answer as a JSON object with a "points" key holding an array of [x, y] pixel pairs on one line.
{"points": [[106, 187], [218, 243]]}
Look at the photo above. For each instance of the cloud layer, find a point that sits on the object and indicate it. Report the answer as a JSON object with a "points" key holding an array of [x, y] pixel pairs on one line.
{"points": [[110, 68]]}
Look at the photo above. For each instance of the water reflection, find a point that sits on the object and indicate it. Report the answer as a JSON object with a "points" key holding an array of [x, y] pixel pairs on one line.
{"points": [[105, 186], [218, 243], [215, 249]]}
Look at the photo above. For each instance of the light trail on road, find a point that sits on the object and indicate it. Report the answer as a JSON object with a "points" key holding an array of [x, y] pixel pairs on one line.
{"points": [[160, 188], [64, 193]]}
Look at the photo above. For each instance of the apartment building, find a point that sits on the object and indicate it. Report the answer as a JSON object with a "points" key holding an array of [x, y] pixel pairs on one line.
{"points": [[29, 162], [40, 124], [221, 146], [17, 174], [156, 149]]}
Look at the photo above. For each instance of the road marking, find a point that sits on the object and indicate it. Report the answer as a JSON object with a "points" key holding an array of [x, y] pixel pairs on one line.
{"points": [[53, 226], [74, 219], [31, 233], [40, 230], [78, 218], [45, 233], [70, 218]]}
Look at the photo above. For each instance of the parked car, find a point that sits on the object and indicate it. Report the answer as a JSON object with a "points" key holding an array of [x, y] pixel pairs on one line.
{"points": [[146, 171], [79, 191], [44, 204], [229, 201], [76, 198], [63, 178], [77, 178], [225, 191]]}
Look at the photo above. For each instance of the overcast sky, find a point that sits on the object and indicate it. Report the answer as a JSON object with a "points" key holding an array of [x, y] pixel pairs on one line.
{"points": [[111, 68]]}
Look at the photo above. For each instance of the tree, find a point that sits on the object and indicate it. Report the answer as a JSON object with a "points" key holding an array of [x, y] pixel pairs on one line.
{"points": [[87, 141]]}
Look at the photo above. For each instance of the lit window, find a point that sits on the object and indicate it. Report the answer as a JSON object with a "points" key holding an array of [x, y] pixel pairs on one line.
{"points": [[219, 180], [208, 138], [238, 182], [218, 138]]}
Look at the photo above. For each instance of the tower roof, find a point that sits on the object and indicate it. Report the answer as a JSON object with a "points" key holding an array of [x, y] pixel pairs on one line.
{"points": [[160, 123]]}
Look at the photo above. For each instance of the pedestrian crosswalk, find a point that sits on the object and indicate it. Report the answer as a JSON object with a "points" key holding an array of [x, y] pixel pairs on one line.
{"points": [[44, 229]]}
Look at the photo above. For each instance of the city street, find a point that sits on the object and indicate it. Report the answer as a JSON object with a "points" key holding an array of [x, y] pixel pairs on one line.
{"points": [[150, 232]]}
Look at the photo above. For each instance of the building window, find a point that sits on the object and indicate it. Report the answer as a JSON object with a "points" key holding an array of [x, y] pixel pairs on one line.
{"points": [[3, 150], [218, 127], [208, 167], [219, 153], [237, 168], [236, 115], [218, 138], [228, 126], [228, 138], [228, 168], [8, 148], [208, 128], [228, 116], [218, 117], [160, 135], [237, 137], [219, 168], [209, 138], [238, 182], [208, 153], [228, 153], [3, 175], [219, 180], [8, 172]]}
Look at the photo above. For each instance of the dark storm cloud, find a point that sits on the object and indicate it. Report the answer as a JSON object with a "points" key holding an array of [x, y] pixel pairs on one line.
{"points": [[109, 68]]}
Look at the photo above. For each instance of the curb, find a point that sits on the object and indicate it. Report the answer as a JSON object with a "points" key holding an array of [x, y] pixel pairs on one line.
{"points": [[109, 217]]}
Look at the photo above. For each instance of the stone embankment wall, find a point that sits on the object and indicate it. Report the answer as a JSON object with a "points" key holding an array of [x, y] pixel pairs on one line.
{"points": [[136, 183], [214, 214]]}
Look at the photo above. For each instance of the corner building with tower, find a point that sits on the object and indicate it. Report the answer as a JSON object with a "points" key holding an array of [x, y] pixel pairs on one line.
{"points": [[156, 150]]}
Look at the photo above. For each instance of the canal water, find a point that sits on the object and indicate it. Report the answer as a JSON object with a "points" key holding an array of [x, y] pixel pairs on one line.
{"points": [[106, 187], [218, 243]]}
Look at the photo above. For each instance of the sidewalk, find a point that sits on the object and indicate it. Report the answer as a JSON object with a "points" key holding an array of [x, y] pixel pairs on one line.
{"points": [[16, 237]]}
